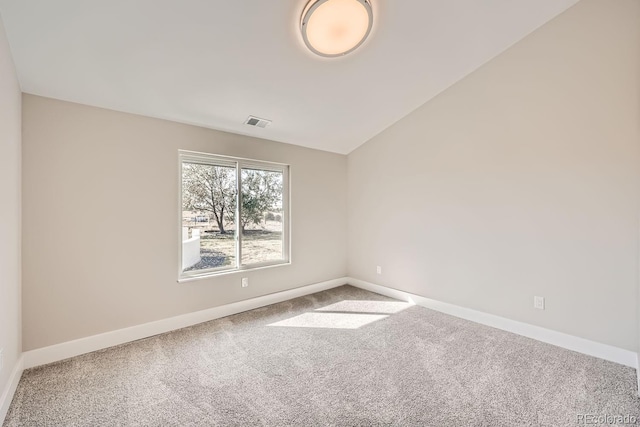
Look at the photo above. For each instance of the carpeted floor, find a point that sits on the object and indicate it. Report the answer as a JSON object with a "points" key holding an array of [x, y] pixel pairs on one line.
{"points": [[343, 357]]}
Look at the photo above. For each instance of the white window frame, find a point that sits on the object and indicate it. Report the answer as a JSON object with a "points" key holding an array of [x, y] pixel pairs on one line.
{"points": [[239, 164]]}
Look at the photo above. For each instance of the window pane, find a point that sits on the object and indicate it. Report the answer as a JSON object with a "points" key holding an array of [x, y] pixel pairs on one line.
{"points": [[262, 216], [208, 216]]}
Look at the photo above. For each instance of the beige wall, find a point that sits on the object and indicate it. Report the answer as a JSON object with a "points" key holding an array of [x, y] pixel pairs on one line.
{"points": [[10, 329], [520, 180], [88, 268]]}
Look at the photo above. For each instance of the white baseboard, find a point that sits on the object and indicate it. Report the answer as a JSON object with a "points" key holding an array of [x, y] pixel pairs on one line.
{"points": [[10, 389], [54, 353], [80, 346], [570, 342]]}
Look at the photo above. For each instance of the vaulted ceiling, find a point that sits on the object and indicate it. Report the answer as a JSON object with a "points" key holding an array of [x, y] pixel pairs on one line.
{"points": [[214, 62]]}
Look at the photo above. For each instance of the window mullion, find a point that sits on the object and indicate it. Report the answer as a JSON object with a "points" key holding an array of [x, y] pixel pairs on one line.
{"points": [[238, 217]]}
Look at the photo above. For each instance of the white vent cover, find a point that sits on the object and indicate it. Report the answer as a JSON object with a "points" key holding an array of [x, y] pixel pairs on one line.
{"points": [[257, 121]]}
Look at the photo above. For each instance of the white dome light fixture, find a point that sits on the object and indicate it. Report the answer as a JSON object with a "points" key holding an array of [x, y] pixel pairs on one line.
{"points": [[336, 27]]}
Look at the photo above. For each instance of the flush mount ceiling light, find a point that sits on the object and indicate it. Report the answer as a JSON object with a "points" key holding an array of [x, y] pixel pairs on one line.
{"points": [[336, 27]]}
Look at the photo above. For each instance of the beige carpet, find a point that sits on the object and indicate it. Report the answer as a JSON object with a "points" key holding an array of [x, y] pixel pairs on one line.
{"points": [[343, 357]]}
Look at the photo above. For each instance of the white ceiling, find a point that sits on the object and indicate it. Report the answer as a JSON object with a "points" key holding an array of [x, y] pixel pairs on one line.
{"points": [[214, 62]]}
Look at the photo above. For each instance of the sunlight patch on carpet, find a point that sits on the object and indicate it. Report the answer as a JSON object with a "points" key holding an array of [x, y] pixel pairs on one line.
{"points": [[359, 306], [330, 320]]}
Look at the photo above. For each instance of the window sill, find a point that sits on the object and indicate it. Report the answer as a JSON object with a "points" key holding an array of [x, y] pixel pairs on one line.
{"points": [[212, 274]]}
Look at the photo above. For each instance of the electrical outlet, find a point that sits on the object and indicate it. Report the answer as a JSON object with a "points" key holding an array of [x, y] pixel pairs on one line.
{"points": [[245, 282], [538, 303], [379, 270]]}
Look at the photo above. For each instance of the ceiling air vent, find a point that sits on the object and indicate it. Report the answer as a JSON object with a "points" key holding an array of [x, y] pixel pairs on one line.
{"points": [[257, 121]]}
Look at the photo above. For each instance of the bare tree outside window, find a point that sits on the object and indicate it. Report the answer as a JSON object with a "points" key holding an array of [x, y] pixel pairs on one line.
{"points": [[211, 189]]}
